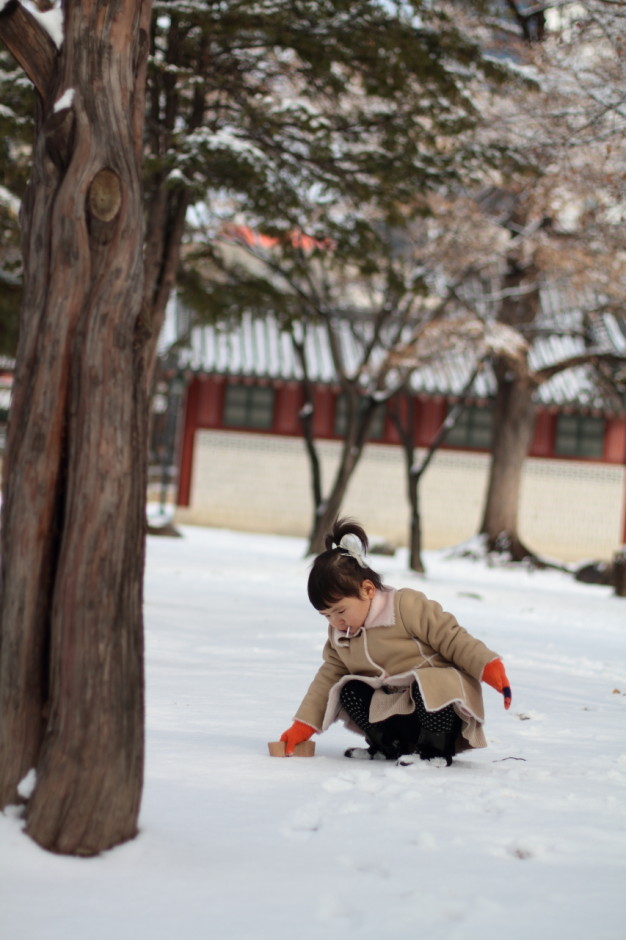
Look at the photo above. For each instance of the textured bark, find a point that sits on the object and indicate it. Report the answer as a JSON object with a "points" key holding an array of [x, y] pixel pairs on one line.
{"points": [[514, 415], [514, 411], [33, 49], [71, 653]]}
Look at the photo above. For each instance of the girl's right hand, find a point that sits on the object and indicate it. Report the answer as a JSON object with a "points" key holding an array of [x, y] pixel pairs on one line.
{"points": [[298, 733]]}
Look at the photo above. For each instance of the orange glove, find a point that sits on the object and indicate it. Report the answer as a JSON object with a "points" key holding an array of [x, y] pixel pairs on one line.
{"points": [[298, 733], [495, 676]]}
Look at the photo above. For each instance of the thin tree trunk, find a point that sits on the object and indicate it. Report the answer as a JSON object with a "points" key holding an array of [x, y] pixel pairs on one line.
{"points": [[71, 654], [415, 471], [414, 475], [406, 431], [307, 422], [618, 573], [165, 224], [166, 203], [328, 509]]}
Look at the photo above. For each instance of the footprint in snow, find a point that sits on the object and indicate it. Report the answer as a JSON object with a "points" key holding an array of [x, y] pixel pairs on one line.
{"points": [[363, 780], [334, 909], [367, 866], [520, 851], [304, 823]]}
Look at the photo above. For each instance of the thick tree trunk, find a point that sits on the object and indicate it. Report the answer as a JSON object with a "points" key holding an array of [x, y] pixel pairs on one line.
{"points": [[514, 415], [71, 654]]}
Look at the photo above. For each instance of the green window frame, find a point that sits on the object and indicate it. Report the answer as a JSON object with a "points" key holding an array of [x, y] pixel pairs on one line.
{"points": [[473, 428], [249, 406], [377, 431], [579, 435]]}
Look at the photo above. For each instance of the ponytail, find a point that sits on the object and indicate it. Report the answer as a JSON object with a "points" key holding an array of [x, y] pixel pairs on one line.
{"points": [[341, 569]]}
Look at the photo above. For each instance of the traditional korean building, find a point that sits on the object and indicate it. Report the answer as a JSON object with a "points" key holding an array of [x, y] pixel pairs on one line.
{"points": [[242, 461]]}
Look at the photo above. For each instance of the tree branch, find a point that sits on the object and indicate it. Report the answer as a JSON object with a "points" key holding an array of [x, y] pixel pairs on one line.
{"points": [[30, 45], [591, 356]]}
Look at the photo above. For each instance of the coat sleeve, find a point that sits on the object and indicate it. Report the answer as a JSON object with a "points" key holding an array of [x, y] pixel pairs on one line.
{"points": [[313, 706], [429, 623]]}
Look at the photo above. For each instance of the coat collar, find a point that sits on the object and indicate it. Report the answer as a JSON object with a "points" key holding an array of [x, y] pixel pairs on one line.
{"points": [[382, 613]]}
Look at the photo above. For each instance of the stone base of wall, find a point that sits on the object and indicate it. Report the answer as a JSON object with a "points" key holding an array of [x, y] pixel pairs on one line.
{"points": [[570, 510]]}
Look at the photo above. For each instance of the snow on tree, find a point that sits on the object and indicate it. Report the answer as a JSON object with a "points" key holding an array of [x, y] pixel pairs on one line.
{"points": [[539, 247], [276, 116]]}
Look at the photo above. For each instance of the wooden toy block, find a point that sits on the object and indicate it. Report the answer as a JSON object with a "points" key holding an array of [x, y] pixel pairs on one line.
{"points": [[305, 749]]}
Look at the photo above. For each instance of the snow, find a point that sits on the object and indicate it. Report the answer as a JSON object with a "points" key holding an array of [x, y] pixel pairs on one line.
{"points": [[523, 839], [50, 20], [26, 786], [8, 201], [66, 100]]}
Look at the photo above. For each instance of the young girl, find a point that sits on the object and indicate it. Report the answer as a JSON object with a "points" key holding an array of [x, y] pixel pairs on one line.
{"points": [[397, 668]]}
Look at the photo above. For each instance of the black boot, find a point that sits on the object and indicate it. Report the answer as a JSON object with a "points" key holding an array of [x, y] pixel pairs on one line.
{"points": [[364, 753], [392, 737], [432, 744]]}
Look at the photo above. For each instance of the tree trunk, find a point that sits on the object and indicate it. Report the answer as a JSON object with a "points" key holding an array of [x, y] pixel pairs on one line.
{"points": [[514, 415], [618, 573], [357, 433], [166, 202], [328, 510], [404, 421], [307, 423], [165, 223], [71, 654], [414, 472]]}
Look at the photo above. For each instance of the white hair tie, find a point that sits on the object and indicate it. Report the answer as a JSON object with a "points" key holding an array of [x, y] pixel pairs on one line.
{"points": [[351, 545]]}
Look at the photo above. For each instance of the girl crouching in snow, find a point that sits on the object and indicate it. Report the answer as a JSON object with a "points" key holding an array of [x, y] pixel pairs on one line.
{"points": [[397, 668]]}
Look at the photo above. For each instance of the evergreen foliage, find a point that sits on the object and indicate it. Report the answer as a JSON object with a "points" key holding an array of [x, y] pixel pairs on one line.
{"points": [[16, 128], [280, 103]]}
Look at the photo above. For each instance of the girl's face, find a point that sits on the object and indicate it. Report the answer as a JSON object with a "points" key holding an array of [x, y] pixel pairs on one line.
{"points": [[349, 613]]}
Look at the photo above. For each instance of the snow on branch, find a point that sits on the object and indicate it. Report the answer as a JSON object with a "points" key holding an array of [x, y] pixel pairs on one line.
{"points": [[30, 42], [50, 20], [462, 335]]}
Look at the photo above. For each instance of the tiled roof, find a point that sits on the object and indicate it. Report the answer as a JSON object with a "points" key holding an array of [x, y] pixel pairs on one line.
{"points": [[258, 348]]}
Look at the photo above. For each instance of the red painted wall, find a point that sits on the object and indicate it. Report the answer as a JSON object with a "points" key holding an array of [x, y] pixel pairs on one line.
{"points": [[205, 403]]}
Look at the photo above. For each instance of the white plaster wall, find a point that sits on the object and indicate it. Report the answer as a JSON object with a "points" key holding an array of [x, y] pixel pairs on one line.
{"points": [[260, 483]]}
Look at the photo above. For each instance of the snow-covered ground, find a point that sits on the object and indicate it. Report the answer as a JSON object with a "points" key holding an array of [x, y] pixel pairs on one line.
{"points": [[523, 840]]}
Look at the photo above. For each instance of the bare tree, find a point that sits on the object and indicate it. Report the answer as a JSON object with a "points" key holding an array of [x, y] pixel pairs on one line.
{"points": [[243, 118], [552, 226], [362, 308], [505, 353], [403, 417], [565, 227], [71, 653]]}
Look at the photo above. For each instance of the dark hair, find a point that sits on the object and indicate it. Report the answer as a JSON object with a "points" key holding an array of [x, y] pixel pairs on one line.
{"points": [[335, 573]]}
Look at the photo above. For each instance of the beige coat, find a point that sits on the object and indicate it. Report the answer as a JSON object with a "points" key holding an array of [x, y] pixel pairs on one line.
{"points": [[405, 637]]}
